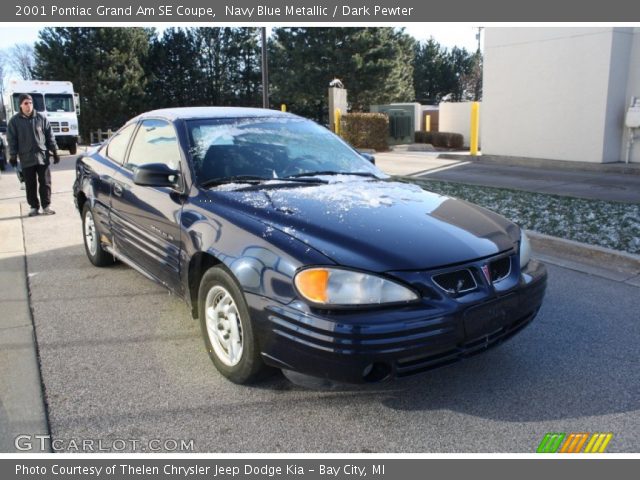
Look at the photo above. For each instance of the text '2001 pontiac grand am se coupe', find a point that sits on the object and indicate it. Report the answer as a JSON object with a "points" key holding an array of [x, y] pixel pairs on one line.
{"points": [[294, 251]]}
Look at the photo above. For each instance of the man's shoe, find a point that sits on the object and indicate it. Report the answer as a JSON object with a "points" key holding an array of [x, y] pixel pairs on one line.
{"points": [[33, 212], [48, 211]]}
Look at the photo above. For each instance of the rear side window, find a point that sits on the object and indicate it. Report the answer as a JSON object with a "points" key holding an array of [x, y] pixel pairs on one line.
{"points": [[117, 147]]}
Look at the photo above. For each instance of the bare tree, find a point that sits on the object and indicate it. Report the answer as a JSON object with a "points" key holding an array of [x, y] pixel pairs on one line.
{"points": [[20, 59], [3, 71]]}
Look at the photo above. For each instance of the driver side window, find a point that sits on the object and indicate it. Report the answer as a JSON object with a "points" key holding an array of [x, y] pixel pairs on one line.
{"points": [[155, 142]]}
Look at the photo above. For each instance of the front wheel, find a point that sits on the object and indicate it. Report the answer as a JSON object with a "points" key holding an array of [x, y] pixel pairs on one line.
{"points": [[227, 329], [92, 245]]}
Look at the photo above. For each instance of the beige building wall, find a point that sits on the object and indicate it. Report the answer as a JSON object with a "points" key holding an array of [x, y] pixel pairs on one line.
{"points": [[557, 92], [456, 118]]}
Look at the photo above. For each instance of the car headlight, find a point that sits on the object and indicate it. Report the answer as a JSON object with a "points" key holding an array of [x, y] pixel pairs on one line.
{"points": [[525, 249], [335, 286]]}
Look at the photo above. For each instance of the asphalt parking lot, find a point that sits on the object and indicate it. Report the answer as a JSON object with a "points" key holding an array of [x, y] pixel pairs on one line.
{"points": [[121, 359]]}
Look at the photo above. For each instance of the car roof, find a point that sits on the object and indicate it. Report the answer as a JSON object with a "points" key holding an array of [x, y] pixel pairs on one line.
{"points": [[213, 112]]}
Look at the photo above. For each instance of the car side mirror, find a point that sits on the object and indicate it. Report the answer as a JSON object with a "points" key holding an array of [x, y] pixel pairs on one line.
{"points": [[156, 175], [368, 156]]}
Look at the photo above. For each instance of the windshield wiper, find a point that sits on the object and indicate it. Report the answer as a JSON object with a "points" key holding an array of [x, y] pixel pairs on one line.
{"points": [[255, 180], [234, 179], [332, 172]]}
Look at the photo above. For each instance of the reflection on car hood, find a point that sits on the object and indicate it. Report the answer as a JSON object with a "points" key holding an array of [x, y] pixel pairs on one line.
{"points": [[375, 225]]}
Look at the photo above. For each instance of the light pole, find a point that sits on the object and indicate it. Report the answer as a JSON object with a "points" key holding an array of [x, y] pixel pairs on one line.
{"points": [[478, 73], [478, 37], [265, 70]]}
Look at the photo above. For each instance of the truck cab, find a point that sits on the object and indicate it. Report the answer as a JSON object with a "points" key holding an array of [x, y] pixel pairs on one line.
{"points": [[55, 99]]}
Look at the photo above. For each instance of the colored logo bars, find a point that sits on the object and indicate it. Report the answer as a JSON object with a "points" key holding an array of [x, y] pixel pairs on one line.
{"points": [[573, 443]]}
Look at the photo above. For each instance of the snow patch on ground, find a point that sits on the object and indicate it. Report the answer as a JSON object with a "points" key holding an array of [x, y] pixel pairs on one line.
{"points": [[608, 224]]}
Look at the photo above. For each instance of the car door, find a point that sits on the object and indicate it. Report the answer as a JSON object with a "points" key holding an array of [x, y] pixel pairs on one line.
{"points": [[100, 174], [146, 220]]}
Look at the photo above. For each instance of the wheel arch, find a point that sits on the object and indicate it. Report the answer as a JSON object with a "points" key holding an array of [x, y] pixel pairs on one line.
{"points": [[81, 199], [199, 263]]}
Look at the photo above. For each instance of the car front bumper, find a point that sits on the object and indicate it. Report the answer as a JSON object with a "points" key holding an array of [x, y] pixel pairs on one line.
{"points": [[374, 345]]}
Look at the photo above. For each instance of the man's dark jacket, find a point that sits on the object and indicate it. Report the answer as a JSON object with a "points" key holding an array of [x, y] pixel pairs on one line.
{"points": [[30, 138]]}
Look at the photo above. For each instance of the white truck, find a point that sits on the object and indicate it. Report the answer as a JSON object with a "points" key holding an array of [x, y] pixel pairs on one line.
{"points": [[56, 100]]}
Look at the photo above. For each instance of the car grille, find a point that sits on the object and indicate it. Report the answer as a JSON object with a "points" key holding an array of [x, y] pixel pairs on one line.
{"points": [[465, 279], [456, 282], [500, 269]]}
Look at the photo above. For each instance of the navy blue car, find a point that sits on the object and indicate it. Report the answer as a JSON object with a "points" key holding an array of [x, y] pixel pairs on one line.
{"points": [[294, 251]]}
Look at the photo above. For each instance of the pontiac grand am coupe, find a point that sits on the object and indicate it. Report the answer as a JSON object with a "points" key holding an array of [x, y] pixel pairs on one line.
{"points": [[294, 251]]}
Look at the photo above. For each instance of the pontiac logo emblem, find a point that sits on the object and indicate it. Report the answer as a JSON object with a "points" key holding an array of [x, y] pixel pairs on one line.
{"points": [[487, 273]]}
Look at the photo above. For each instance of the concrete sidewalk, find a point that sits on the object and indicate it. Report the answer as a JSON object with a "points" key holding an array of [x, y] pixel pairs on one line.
{"points": [[22, 409], [609, 182]]}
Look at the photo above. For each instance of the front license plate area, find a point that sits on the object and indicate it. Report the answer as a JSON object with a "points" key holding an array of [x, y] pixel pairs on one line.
{"points": [[490, 316]]}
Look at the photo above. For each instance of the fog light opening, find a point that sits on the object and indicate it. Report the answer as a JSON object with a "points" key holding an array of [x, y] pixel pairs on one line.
{"points": [[376, 372]]}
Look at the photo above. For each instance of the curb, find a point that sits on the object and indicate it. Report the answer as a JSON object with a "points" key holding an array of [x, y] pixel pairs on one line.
{"points": [[505, 160], [591, 254]]}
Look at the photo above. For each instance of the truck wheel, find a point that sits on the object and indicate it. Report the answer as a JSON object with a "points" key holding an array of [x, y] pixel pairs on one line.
{"points": [[227, 328], [73, 148], [97, 255]]}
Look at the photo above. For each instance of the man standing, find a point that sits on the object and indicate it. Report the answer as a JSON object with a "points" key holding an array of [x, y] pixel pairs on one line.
{"points": [[29, 136]]}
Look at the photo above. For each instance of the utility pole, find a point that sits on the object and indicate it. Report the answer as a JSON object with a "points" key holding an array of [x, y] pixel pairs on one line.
{"points": [[478, 37], [478, 73], [265, 70]]}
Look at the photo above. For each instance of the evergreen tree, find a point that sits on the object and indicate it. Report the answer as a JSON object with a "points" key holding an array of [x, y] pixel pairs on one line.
{"points": [[244, 52], [459, 66], [374, 64], [105, 66], [442, 74], [428, 72], [173, 69]]}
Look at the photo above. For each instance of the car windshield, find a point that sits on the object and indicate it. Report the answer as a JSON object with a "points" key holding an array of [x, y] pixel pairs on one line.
{"points": [[270, 148]]}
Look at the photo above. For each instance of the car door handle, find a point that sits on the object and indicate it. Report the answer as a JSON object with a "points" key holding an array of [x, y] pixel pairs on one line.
{"points": [[118, 189]]}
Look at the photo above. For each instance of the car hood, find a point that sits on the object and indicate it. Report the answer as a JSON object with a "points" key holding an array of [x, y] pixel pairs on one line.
{"points": [[374, 225]]}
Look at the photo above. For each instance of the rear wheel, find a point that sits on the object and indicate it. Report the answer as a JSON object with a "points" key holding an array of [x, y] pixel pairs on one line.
{"points": [[92, 245], [227, 328], [73, 149]]}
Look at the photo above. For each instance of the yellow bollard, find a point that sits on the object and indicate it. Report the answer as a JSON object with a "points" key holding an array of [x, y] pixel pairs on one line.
{"points": [[475, 128], [336, 117], [283, 108], [427, 123]]}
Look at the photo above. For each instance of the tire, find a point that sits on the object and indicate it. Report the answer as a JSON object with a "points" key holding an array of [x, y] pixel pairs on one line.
{"points": [[227, 328], [73, 149], [92, 246]]}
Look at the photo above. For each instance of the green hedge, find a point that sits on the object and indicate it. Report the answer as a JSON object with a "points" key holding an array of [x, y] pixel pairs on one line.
{"points": [[365, 130], [441, 139]]}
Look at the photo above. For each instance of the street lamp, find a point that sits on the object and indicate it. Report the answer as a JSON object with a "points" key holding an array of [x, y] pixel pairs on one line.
{"points": [[265, 70]]}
